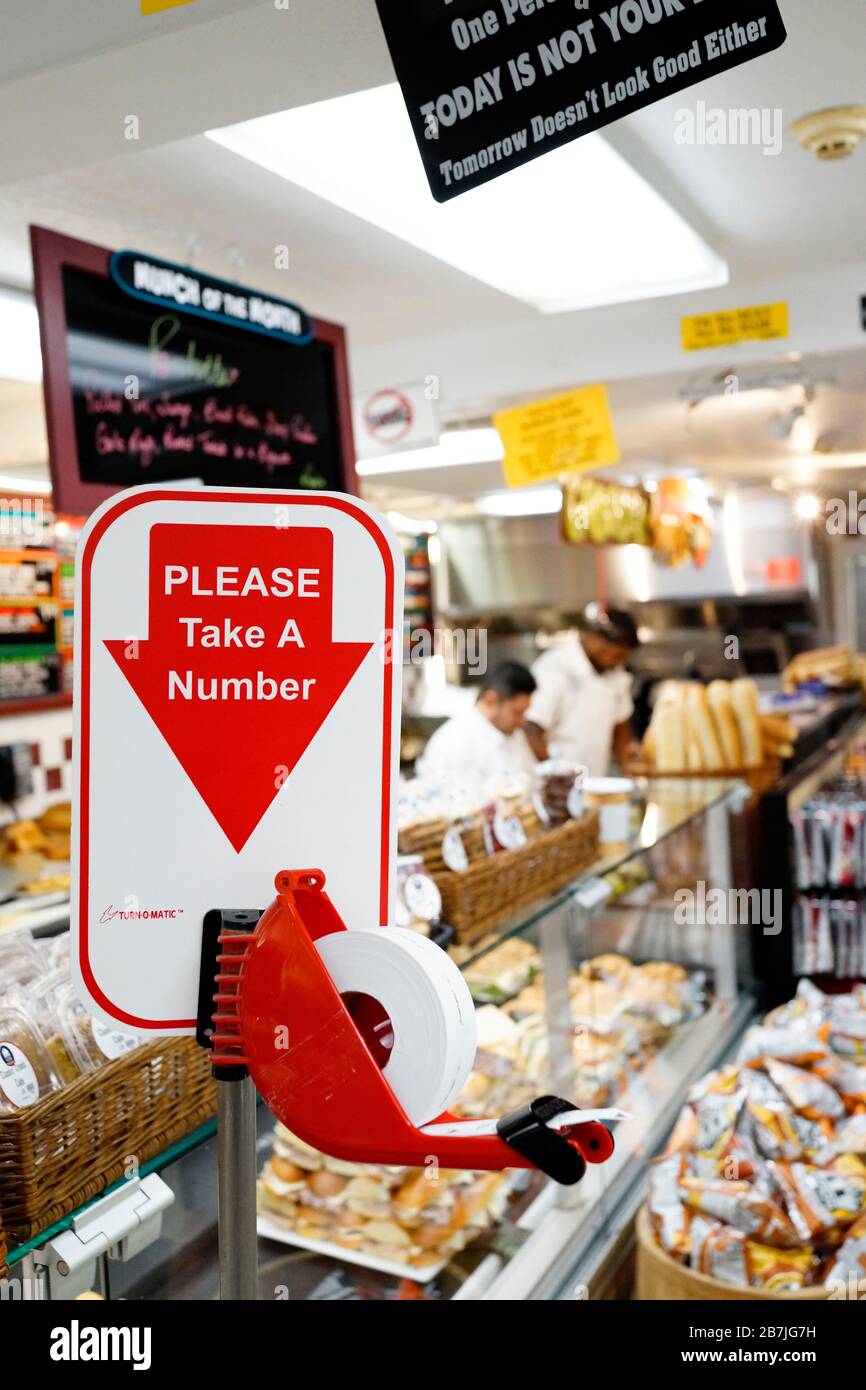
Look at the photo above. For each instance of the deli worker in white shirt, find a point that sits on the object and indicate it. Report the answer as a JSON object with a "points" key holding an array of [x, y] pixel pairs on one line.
{"points": [[476, 749], [582, 706]]}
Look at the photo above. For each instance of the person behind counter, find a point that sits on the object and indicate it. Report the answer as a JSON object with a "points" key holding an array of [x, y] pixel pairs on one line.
{"points": [[479, 746], [582, 705]]}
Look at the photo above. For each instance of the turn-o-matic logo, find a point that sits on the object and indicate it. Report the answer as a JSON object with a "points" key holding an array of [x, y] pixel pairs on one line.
{"points": [[154, 6]]}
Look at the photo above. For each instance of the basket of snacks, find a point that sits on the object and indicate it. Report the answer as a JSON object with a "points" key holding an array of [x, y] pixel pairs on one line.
{"points": [[762, 1191], [79, 1100], [490, 861]]}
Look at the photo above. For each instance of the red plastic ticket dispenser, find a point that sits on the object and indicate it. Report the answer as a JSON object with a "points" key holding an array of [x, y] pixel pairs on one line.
{"points": [[279, 1016]]}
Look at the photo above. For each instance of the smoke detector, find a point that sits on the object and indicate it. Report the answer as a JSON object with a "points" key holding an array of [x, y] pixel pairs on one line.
{"points": [[832, 134]]}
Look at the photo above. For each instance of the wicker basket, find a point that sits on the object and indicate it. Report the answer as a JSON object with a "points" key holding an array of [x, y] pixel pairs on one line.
{"points": [[758, 779], [661, 1278], [496, 885], [4, 1272], [71, 1145]]}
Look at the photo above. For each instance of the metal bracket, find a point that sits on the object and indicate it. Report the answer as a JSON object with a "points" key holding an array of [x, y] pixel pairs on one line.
{"points": [[119, 1226]]}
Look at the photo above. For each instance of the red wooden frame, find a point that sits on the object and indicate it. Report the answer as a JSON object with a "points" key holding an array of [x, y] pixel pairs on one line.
{"points": [[51, 252]]}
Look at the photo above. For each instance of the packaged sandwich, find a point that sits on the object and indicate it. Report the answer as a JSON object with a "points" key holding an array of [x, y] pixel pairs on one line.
{"points": [[503, 972]]}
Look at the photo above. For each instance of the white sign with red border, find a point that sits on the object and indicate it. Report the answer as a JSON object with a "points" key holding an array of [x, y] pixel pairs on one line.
{"points": [[237, 712], [395, 419]]}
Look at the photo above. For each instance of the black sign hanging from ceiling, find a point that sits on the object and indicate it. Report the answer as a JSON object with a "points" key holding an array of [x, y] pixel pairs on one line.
{"points": [[492, 84]]}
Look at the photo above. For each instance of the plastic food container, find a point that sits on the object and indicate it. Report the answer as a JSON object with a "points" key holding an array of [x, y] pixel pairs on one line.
{"points": [[90, 1042], [21, 961], [40, 1000], [27, 1074], [612, 797]]}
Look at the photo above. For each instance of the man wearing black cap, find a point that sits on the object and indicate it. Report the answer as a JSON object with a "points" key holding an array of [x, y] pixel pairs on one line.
{"points": [[582, 707]]}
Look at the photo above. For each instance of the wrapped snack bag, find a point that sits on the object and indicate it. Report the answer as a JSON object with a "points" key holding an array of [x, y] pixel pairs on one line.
{"points": [[850, 1261], [846, 1033], [851, 1135], [806, 1092], [779, 1271], [684, 1133], [781, 1134], [701, 1229], [668, 1215], [789, 1044], [848, 1078], [721, 1253], [740, 1205], [820, 1201], [717, 1116]]}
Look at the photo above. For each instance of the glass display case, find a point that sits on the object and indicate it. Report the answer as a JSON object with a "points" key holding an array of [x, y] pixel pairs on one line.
{"points": [[620, 993]]}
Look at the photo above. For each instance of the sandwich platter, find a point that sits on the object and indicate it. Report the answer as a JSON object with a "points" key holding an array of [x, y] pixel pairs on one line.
{"points": [[273, 1229]]}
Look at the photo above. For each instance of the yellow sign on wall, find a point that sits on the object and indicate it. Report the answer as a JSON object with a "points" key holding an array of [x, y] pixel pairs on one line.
{"points": [[154, 6], [563, 434], [756, 324]]}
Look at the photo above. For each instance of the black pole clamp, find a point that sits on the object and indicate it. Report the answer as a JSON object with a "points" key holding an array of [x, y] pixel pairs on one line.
{"points": [[217, 922], [525, 1130]]}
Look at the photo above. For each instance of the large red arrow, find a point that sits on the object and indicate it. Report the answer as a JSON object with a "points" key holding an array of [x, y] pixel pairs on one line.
{"points": [[239, 670]]}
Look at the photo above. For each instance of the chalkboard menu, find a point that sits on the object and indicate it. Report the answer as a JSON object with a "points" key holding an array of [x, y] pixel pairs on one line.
{"points": [[143, 391]]}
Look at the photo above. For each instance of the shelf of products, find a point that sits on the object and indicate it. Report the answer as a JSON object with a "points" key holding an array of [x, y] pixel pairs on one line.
{"points": [[598, 994], [37, 586]]}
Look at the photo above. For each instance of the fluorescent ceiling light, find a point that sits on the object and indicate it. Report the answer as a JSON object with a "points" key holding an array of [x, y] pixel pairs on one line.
{"points": [[411, 526], [541, 501], [26, 486], [20, 354], [575, 229], [455, 448]]}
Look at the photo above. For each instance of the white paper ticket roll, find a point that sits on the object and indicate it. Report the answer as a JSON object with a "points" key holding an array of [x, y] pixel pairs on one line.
{"points": [[429, 1005]]}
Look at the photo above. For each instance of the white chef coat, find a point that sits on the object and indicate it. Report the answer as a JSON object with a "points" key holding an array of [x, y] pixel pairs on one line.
{"points": [[470, 753], [578, 707]]}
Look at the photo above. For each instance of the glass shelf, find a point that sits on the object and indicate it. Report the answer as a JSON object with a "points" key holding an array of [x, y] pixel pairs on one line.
{"points": [[664, 806], [545, 1241]]}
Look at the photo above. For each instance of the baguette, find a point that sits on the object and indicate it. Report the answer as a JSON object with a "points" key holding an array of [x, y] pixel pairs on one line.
{"points": [[744, 694], [721, 705], [668, 729], [702, 729]]}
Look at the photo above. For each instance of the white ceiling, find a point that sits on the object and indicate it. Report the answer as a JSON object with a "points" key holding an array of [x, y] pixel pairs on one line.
{"points": [[48, 34], [789, 226]]}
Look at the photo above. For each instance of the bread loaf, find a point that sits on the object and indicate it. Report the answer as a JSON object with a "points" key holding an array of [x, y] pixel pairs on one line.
{"points": [[702, 728], [669, 734], [721, 705], [744, 694]]}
